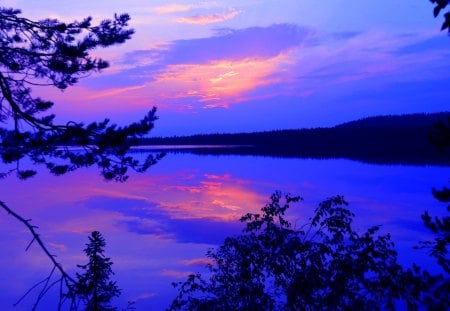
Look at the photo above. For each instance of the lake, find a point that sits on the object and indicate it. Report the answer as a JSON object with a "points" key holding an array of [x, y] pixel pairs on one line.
{"points": [[159, 225]]}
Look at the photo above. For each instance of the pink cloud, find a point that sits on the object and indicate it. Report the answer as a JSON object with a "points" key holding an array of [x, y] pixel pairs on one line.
{"points": [[58, 246], [210, 196], [187, 75], [219, 83], [175, 273], [209, 19], [199, 262], [219, 177], [172, 8]]}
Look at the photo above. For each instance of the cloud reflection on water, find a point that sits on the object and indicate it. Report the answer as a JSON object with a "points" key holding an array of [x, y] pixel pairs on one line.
{"points": [[159, 225]]}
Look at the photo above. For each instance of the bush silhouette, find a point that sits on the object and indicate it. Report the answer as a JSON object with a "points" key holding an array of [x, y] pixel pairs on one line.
{"points": [[323, 265]]}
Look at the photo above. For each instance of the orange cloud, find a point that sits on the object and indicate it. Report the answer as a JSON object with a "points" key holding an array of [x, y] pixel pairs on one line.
{"points": [[219, 83], [209, 19]]}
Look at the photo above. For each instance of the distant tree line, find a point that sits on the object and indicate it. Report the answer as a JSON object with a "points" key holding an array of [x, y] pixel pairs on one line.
{"points": [[404, 139]]}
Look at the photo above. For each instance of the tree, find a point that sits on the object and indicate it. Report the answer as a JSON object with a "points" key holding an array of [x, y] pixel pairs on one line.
{"points": [[440, 226], [322, 265], [439, 6], [53, 53], [94, 287]]}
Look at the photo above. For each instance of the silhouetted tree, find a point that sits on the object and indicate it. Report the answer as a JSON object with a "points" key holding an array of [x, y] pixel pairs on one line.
{"points": [[94, 286], [323, 265], [440, 226], [439, 6], [53, 53], [439, 247], [56, 54]]}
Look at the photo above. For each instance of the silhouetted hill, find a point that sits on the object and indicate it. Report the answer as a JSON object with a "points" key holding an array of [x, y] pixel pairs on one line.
{"points": [[400, 139], [405, 121]]}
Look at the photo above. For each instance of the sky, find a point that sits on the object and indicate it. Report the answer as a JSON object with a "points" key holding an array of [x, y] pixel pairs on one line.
{"points": [[241, 66]]}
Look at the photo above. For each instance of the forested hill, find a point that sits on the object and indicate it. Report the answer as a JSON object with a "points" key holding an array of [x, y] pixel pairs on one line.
{"points": [[403, 139], [407, 120]]}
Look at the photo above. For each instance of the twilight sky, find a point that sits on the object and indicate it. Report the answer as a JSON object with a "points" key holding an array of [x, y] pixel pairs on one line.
{"points": [[231, 66]]}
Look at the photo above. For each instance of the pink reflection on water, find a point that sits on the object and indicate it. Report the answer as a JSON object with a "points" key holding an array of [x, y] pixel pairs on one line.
{"points": [[199, 262], [137, 219], [159, 225]]}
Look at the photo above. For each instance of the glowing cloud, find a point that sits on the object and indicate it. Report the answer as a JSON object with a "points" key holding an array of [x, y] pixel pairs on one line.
{"points": [[209, 19], [219, 83], [171, 8], [184, 75]]}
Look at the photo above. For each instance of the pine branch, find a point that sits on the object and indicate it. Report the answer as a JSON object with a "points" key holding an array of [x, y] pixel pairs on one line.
{"points": [[45, 283]]}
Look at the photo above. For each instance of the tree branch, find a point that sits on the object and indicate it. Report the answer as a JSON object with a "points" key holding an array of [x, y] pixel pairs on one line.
{"points": [[37, 238]]}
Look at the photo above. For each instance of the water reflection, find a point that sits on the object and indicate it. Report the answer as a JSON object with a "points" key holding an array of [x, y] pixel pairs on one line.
{"points": [[159, 225]]}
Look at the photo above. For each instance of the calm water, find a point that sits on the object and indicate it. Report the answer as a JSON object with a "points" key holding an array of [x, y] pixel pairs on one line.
{"points": [[159, 225]]}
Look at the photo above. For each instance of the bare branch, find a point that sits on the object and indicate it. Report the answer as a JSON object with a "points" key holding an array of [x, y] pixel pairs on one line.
{"points": [[37, 238]]}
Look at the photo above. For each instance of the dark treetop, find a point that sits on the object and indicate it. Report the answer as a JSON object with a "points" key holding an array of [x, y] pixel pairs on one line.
{"points": [[53, 53], [439, 6], [323, 265]]}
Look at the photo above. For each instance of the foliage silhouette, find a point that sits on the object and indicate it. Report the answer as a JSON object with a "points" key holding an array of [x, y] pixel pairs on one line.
{"points": [[439, 6], [53, 53], [93, 286], [324, 264], [440, 226], [439, 248]]}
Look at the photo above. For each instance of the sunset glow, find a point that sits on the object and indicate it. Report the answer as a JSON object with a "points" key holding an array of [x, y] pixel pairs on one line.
{"points": [[192, 60], [218, 84]]}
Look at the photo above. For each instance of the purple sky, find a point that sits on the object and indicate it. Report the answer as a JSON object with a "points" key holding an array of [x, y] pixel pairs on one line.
{"points": [[229, 66]]}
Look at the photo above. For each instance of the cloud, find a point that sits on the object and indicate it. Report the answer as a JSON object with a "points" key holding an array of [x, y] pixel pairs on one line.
{"points": [[196, 262], [431, 44], [198, 19], [172, 8], [193, 230], [59, 247], [176, 274], [230, 44], [210, 72], [209, 19], [218, 84], [214, 71], [344, 35], [202, 210], [258, 64]]}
